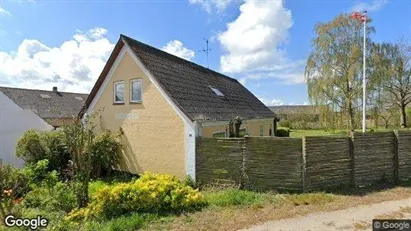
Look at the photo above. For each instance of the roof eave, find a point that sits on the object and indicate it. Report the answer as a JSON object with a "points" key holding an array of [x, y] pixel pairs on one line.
{"points": [[117, 48]]}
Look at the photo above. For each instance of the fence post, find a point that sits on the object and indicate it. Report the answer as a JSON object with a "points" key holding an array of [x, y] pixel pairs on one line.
{"points": [[396, 161], [352, 159], [303, 165], [243, 177]]}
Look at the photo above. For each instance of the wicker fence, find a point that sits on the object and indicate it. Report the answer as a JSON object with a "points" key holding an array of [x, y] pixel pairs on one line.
{"points": [[307, 164]]}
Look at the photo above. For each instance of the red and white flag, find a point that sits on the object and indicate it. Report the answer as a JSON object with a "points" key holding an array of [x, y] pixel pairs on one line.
{"points": [[362, 17]]}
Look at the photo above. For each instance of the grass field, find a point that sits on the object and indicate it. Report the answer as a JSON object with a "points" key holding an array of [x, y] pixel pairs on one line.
{"points": [[296, 133]]}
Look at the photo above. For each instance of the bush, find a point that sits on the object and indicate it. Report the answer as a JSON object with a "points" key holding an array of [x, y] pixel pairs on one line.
{"points": [[105, 153], [60, 198], [29, 147], [283, 132], [189, 181], [13, 185], [34, 146], [39, 176], [284, 123], [152, 193]]}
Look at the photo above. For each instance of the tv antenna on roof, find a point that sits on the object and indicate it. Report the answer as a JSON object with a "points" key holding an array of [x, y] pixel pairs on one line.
{"points": [[206, 50]]}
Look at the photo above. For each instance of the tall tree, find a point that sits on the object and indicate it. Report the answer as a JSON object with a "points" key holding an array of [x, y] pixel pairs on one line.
{"points": [[395, 61], [333, 69]]}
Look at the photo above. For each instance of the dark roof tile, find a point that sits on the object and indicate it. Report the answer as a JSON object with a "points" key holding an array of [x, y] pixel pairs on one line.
{"points": [[59, 105], [187, 84]]}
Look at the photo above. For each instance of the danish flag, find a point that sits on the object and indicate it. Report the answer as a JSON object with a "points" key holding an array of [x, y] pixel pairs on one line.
{"points": [[362, 17]]}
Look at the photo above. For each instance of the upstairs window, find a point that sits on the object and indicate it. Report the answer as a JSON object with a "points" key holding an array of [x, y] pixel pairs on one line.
{"points": [[119, 92], [136, 91], [216, 91]]}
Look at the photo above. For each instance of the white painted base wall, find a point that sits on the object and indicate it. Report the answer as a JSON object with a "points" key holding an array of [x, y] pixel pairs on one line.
{"points": [[14, 121]]}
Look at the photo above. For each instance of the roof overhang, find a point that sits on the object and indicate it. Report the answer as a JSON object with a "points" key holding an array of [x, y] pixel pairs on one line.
{"points": [[117, 48]]}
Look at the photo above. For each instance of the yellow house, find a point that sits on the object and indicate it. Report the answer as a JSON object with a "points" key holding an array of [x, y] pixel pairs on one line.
{"points": [[162, 103]]}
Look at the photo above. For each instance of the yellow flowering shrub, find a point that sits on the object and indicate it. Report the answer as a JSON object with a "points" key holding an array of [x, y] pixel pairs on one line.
{"points": [[150, 193]]}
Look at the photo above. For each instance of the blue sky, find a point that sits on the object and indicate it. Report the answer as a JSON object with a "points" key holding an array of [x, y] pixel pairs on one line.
{"points": [[264, 44]]}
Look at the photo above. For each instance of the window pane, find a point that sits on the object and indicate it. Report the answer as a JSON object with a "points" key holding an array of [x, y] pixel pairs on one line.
{"points": [[119, 92], [136, 91], [216, 91]]}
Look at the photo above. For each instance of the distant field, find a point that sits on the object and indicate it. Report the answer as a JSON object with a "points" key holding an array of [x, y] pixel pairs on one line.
{"points": [[300, 133]]}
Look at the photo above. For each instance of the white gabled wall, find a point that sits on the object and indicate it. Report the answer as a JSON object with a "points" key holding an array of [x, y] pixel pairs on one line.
{"points": [[14, 121]]}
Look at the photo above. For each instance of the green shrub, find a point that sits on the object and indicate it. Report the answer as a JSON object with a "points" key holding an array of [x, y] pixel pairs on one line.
{"points": [[96, 186], [34, 146], [232, 197], [189, 181], [105, 153], [13, 185], [30, 148], [152, 193], [39, 175], [60, 198], [54, 218], [284, 123], [56, 150], [283, 132], [64, 197]]}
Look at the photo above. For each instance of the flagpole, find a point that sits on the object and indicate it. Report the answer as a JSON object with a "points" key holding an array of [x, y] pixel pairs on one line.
{"points": [[363, 81]]}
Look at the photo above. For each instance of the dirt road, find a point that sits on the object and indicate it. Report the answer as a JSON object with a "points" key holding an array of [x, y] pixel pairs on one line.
{"points": [[356, 218]]}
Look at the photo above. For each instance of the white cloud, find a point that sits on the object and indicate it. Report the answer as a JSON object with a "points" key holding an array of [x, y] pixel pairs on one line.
{"points": [[210, 5], [272, 102], [253, 43], [253, 38], [374, 5], [177, 48], [73, 66], [4, 12]]}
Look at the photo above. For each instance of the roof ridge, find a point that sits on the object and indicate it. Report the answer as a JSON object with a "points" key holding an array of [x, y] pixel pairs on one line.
{"points": [[29, 89], [178, 58]]}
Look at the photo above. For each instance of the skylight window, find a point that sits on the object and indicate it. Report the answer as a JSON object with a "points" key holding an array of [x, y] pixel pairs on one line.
{"points": [[45, 96], [216, 91]]}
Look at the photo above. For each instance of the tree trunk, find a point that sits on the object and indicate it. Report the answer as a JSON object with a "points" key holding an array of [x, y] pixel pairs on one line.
{"points": [[403, 116], [351, 116]]}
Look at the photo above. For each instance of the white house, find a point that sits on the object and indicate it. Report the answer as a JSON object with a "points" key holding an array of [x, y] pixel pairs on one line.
{"points": [[25, 109]]}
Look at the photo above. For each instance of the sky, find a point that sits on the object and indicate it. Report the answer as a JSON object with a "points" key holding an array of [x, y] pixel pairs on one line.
{"points": [[264, 44]]}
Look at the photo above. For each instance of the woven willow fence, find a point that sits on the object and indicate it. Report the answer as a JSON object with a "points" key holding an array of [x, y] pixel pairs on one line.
{"points": [[305, 164]]}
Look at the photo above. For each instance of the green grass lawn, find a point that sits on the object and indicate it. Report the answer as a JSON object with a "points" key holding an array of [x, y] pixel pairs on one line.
{"points": [[296, 133]]}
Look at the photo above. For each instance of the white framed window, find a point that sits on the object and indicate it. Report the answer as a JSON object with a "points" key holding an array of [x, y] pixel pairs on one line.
{"points": [[119, 92], [216, 91], [136, 91]]}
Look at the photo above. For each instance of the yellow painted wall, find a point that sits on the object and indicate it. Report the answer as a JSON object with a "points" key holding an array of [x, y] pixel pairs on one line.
{"points": [[208, 131], [252, 126], [153, 132]]}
